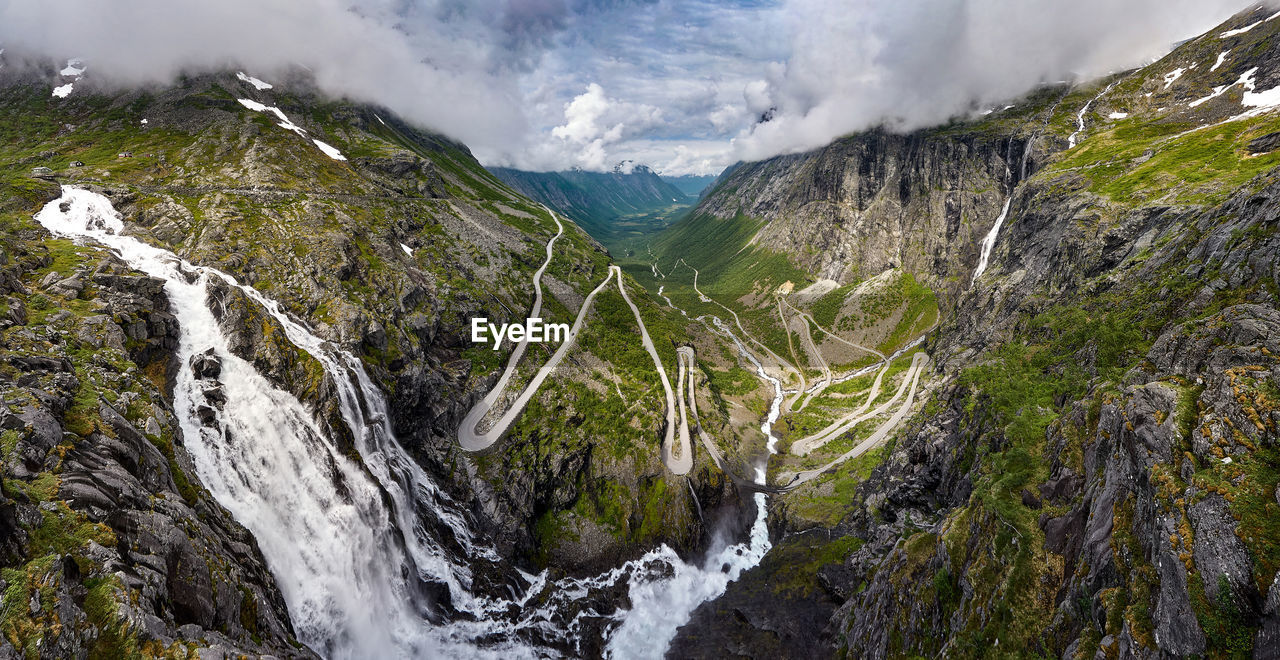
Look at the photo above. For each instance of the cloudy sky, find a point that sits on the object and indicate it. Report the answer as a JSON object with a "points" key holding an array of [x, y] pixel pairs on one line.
{"points": [[680, 85]]}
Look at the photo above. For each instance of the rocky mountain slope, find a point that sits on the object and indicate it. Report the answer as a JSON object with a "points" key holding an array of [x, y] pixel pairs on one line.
{"points": [[1095, 473]]}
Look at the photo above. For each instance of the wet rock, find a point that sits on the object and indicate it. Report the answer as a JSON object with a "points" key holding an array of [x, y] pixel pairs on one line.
{"points": [[215, 396], [208, 416], [206, 365]]}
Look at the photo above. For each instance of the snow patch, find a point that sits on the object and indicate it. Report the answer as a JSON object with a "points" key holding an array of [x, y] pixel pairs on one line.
{"points": [[144, 122], [1118, 115], [1226, 461], [1173, 76], [62, 91], [329, 150], [258, 84], [407, 250], [1245, 81], [284, 121], [73, 68], [1222, 57], [1234, 33]]}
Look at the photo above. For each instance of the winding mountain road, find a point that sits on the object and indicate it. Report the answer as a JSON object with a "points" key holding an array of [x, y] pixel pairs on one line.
{"points": [[681, 464], [783, 364], [472, 440], [880, 434], [468, 438]]}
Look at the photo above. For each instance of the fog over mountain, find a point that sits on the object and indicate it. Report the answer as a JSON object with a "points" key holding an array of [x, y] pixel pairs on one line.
{"points": [[681, 85]]}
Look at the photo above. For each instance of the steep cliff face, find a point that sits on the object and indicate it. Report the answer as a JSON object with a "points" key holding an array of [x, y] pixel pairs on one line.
{"points": [[876, 200], [1096, 471]]}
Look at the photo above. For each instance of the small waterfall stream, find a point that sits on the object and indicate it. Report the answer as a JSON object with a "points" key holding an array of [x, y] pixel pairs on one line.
{"points": [[353, 568]]}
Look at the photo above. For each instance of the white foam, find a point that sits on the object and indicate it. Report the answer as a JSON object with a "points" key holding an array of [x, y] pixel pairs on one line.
{"points": [[258, 84]]}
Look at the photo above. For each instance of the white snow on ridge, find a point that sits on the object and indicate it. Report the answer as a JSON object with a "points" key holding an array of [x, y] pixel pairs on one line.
{"points": [[284, 120], [1233, 33], [407, 250], [1118, 115], [1265, 99], [1222, 57], [258, 84], [73, 68], [62, 91], [1246, 81], [329, 150], [1172, 76]]}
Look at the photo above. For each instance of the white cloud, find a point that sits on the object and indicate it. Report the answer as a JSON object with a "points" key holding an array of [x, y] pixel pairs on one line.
{"points": [[907, 65], [677, 84]]}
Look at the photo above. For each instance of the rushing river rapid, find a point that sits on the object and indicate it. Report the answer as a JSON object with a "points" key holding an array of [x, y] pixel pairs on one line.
{"points": [[375, 560]]}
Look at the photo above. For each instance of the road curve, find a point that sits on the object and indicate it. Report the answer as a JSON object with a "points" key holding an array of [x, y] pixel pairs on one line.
{"points": [[518, 353], [803, 446], [826, 370], [682, 464], [832, 334], [783, 364], [687, 360], [469, 439], [880, 434], [804, 384]]}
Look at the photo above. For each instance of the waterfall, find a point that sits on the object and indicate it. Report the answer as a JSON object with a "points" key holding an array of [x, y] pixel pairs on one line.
{"points": [[989, 241], [351, 566], [1071, 141]]}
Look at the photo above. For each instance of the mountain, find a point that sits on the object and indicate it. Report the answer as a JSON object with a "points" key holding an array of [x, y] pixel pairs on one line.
{"points": [[689, 184], [1093, 466], [266, 494], [610, 205], [1005, 386]]}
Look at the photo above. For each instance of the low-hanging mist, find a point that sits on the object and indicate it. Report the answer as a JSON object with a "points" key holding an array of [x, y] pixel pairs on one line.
{"points": [[679, 84]]}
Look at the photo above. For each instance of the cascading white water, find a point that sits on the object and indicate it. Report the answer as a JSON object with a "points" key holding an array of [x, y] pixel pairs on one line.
{"points": [[660, 607], [334, 550], [348, 565], [989, 241], [1071, 141]]}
